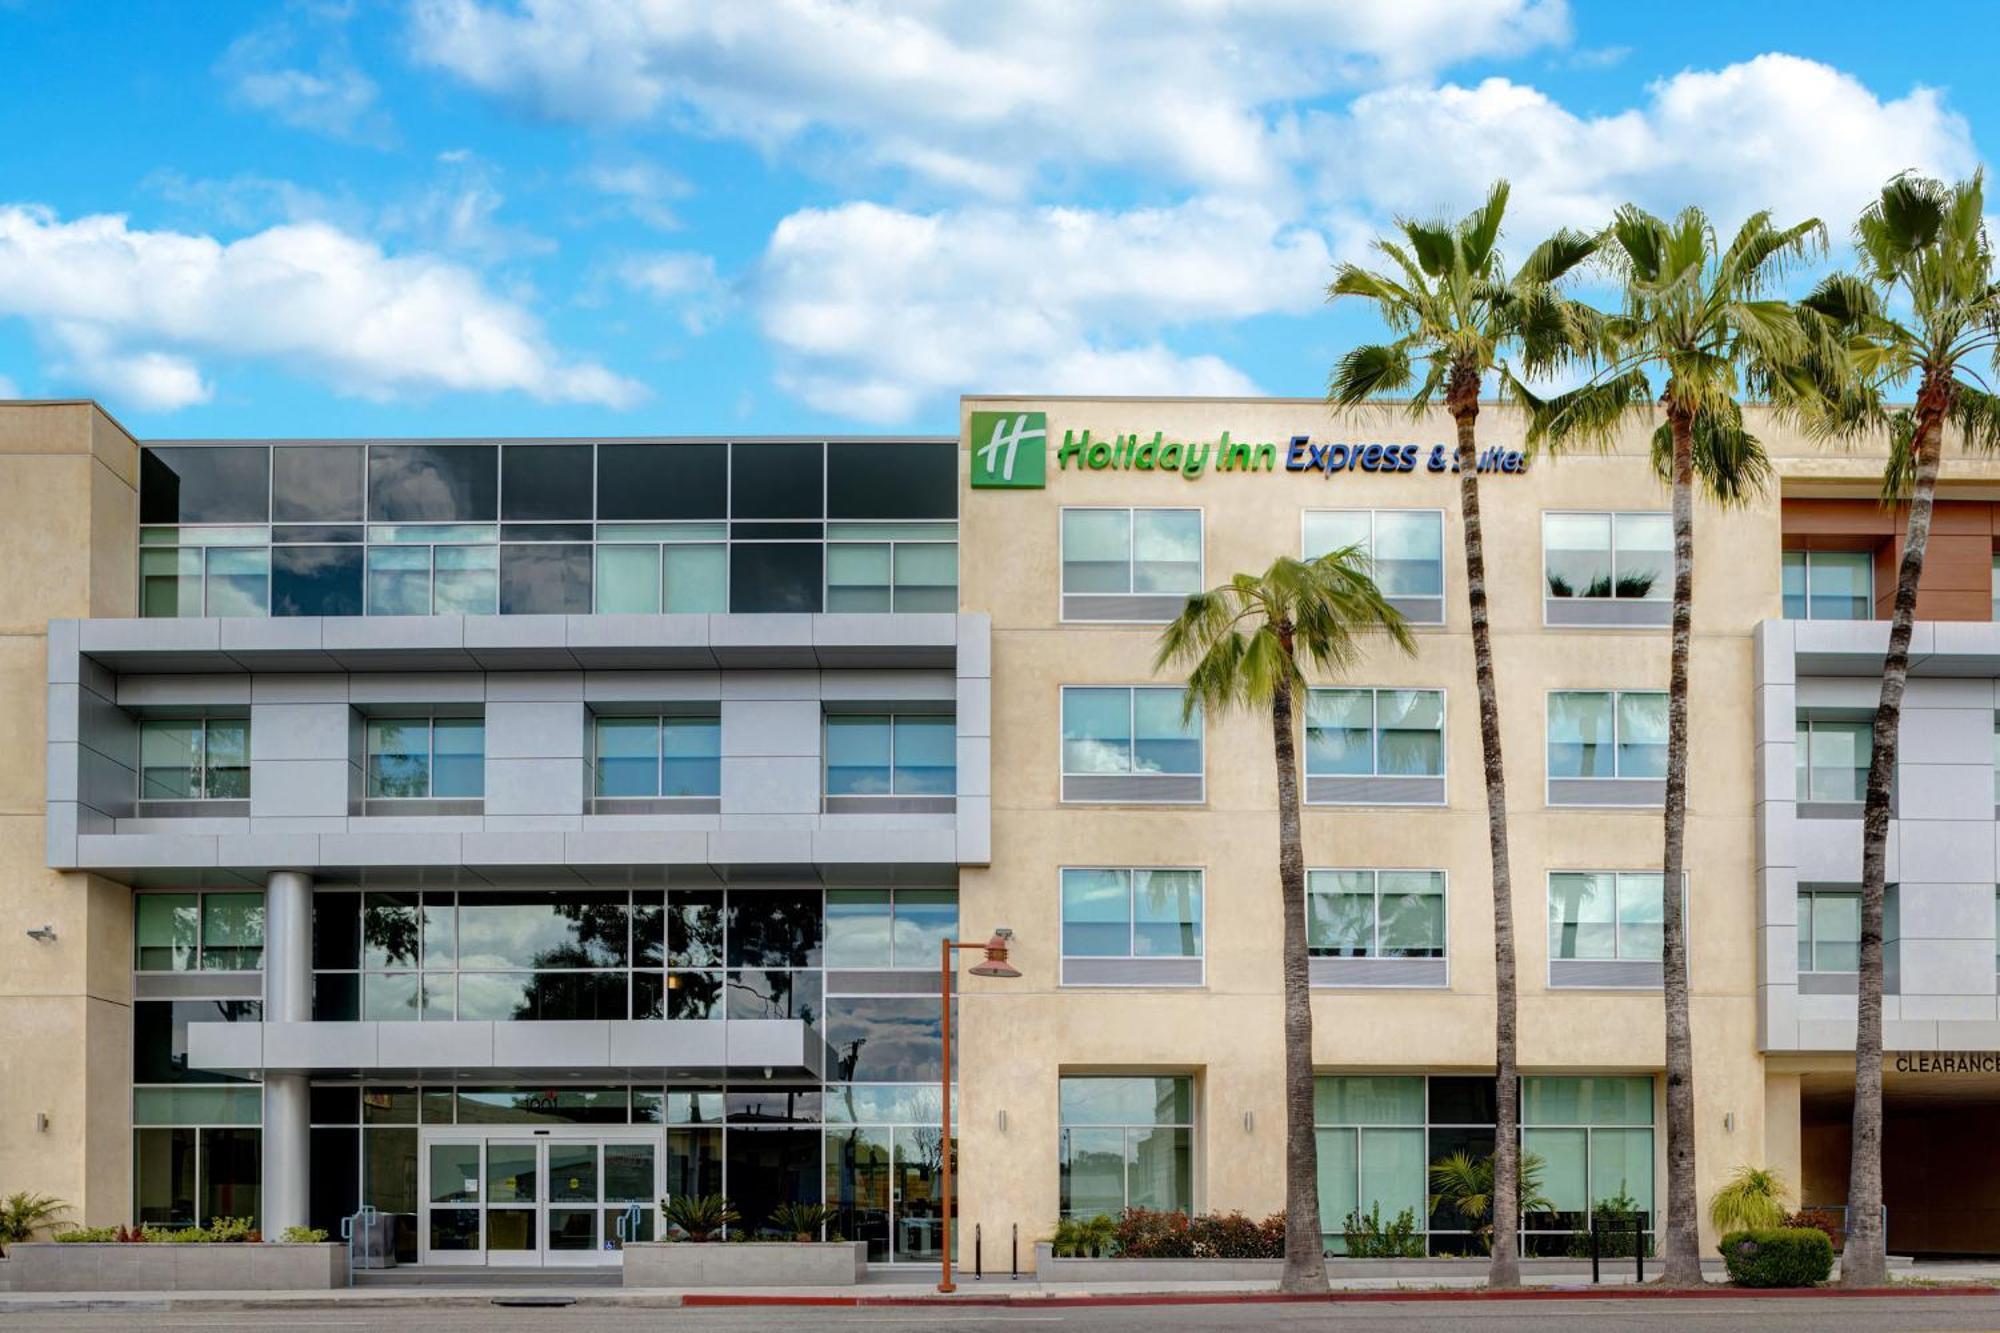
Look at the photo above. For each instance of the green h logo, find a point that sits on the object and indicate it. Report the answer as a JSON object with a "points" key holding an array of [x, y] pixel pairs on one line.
{"points": [[1010, 450]]}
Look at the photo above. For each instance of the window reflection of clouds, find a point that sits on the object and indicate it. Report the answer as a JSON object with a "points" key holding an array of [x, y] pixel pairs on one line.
{"points": [[499, 930], [317, 484], [422, 483], [883, 1040]]}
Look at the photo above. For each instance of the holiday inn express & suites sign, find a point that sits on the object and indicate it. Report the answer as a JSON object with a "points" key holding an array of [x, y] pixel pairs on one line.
{"points": [[1010, 451]]}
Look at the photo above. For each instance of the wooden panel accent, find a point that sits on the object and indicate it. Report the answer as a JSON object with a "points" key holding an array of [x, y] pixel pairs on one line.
{"points": [[1958, 565]]}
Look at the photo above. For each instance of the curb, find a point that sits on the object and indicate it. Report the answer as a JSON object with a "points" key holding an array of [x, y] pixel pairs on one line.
{"points": [[718, 1300]]}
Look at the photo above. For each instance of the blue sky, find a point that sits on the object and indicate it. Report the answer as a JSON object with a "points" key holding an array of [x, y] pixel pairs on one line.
{"points": [[476, 217]]}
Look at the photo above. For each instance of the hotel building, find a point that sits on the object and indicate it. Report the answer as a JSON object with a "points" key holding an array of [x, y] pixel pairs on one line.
{"points": [[510, 834]]}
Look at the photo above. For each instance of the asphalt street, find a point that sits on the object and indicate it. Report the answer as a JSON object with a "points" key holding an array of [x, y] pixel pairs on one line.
{"points": [[1766, 1316]]}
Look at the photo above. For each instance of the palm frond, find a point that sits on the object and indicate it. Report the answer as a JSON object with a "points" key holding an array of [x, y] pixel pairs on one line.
{"points": [[1369, 371]]}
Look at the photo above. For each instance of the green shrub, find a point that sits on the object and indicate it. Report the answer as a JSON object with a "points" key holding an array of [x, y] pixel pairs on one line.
{"points": [[1778, 1257], [1752, 1199], [1085, 1237], [697, 1217], [23, 1214], [1368, 1237], [801, 1221], [303, 1235], [87, 1235]]}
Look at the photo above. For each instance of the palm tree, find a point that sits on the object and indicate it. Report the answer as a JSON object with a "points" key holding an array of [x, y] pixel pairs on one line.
{"points": [[1695, 314], [1921, 247], [1242, 645], [1456, 313]]}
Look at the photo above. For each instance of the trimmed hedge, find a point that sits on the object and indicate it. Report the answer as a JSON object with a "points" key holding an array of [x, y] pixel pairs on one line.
{"points": [[1778, 1257]]}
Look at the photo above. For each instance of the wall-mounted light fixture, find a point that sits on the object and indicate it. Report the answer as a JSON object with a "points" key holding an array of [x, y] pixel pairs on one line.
{"points": [[1249, 1122], [1729, 1122], [41, 1122], [1000, 1120], [43, 934]]}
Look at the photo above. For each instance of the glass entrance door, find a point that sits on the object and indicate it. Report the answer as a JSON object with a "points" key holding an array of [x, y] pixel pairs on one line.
{"points": [[919, 1218], [561, 1199]]}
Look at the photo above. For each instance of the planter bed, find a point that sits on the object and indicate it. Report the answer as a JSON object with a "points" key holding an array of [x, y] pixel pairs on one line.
{"points": [[728, 1263], [234, 1266], [1053, 1271]]}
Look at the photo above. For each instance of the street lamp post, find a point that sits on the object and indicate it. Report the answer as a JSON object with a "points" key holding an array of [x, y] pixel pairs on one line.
{"points": [[994, 965]]}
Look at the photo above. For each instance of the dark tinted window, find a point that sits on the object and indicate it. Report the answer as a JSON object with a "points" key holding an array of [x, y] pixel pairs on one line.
{"points": [[433, 483], [159, 1037], [1462, 1101], [774, 577], [319, 483], [892, 481], [335, 1104], [335, 1189], [776, 481], [190, 484], [774, 928], [316, 581], [648, 481], [545, 481], [551, 580], [336, 930]]}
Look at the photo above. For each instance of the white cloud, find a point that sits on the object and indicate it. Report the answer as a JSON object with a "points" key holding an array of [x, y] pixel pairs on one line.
{"points": [[9, 389], [138, 314], [460, 213], [876, 311], [1779, 132], [326, 93], [641, 188], [966, 92], [685, 281]]}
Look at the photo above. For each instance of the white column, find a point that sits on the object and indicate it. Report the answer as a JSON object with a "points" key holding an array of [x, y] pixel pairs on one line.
{"points": [[287, 999]]}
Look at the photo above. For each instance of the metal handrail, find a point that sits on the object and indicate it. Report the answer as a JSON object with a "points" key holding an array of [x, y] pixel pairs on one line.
{"points": [[627, 1226], [359, 1230]]}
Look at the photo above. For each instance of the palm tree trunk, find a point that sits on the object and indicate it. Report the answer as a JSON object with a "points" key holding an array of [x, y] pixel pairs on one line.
{"points": [[1305, 1263], [1505, 1268], [1682, 1251], [1864, 1261]]}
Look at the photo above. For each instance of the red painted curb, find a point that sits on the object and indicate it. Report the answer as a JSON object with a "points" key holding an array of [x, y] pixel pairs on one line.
{"points": [[720, 1300]]}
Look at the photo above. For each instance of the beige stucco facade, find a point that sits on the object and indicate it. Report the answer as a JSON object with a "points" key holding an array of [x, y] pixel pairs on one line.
{"points": [[68, 525], [1227, 1032]]}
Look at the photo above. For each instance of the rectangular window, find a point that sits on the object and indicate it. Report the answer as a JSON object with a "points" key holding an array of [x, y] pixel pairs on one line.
{"points": [[1829, 930], [426, 758], [1375, 747], [1605, 915], [1607, 747], [664, 757], [1131, 744], [907, 570], [1405, 549], [883, 928], [187, 932], [1129, 564], [1606, 929], [1131, 927], [194, 759], [1829, 585], [874, 755], [1126, 1143], [1379, 1135], [1375, 913], [1831, 759], [1607, 568]]}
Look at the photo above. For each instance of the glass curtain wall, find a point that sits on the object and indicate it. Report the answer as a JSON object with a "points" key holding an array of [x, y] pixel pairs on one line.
{"points": [[417, 529], [196, 1137], [1381, 1135]]}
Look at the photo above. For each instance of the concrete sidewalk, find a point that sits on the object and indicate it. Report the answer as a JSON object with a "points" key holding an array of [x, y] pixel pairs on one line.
{"points": [[1921, 1279]]}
